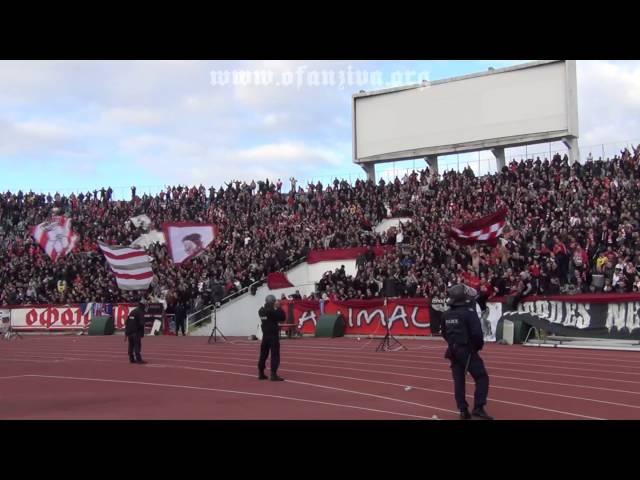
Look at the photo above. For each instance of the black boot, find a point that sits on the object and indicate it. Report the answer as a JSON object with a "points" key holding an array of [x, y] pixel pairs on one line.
{"points": [[132, 360], [464, 414], [276, 378], [141, 361], [261, 375], [481, 413]]}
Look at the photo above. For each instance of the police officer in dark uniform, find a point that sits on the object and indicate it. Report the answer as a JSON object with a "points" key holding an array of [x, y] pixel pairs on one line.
{"points": [[180, 316], [270, 316], [134, 330], [462, 330]]}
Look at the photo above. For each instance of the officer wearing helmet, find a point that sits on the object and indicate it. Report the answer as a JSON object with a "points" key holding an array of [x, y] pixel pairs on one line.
{"points": [[134, 331], [270, 316], [462, 330]]}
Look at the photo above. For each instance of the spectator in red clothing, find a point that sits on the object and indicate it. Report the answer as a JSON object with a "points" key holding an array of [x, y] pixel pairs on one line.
{"points": [[562, 257], [536, 272], [544, 237], [486, 291]]}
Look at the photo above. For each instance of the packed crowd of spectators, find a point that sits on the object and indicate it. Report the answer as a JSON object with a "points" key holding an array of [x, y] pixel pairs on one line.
{"points": [[571, 228], [262, 230]]}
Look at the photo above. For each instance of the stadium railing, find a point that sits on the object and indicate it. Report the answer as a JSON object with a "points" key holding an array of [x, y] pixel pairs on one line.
{"points": [[204, 315]]}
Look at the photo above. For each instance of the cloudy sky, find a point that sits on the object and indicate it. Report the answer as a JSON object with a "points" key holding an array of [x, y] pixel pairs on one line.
{"points": [[74, 125]]}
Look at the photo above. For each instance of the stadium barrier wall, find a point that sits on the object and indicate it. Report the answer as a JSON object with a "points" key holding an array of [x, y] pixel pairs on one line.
{"points": [[406, 316], [615, 316], [64, 317], [590, 316]]}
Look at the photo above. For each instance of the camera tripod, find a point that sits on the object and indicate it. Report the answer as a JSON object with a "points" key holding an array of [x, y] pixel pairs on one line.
{"points": [[388, 339], [215, 331]]}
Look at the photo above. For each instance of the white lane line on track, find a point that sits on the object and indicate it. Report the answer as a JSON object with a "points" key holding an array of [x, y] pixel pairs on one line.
{"points": [[419, 376], [400, 385], [402, 365], [394, 384], [219, 390]]}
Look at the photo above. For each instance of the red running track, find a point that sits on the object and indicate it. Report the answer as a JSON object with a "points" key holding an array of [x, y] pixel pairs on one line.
{"points": [[80, 377]]}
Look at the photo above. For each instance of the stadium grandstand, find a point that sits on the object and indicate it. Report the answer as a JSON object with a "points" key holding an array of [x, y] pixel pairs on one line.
{"points": [[566, 224], [548, 243]]}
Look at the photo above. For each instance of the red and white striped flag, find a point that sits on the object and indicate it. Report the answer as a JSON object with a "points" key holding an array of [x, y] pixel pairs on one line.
{"points": [[55, 237], [484, 230], [131, 266]]}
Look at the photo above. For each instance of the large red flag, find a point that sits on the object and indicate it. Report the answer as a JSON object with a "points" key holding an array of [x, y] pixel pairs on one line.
{"points": [[277, 280], [484, 230]]}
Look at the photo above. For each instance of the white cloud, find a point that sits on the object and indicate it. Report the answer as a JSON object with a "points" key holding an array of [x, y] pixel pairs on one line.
{"points": [[302, 90], [288, 152], [143, 117], [45, 130], [155, 144], [167, 116], [33, 137], [189, 163], [274, 119], [608, 101]]}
